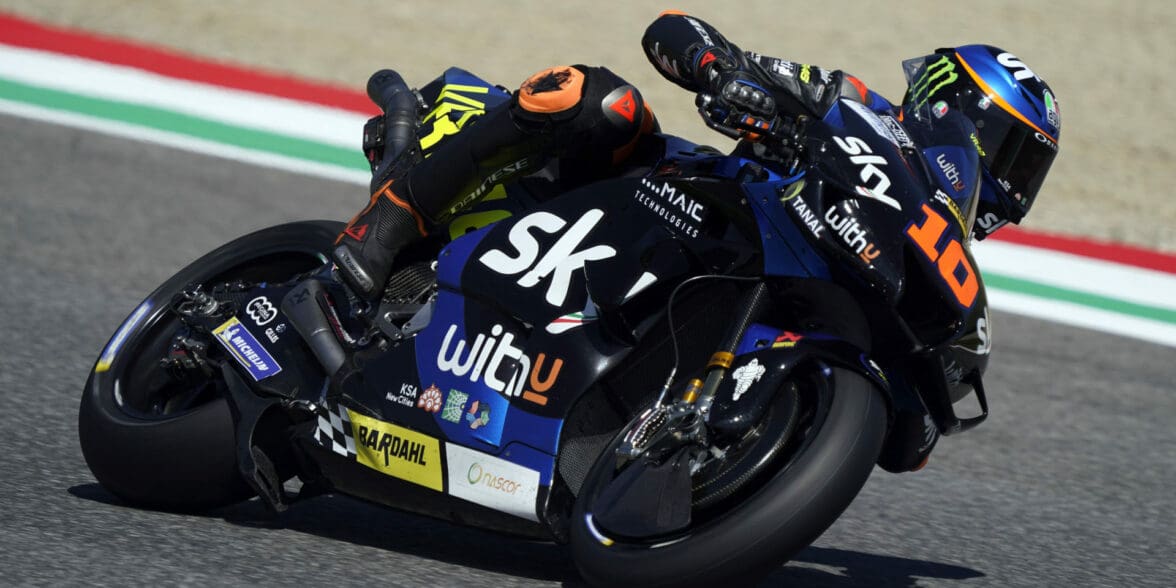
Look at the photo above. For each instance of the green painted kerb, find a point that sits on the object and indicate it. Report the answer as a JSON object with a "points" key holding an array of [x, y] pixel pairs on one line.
{"points": [[1084, 298], [201, 128]]}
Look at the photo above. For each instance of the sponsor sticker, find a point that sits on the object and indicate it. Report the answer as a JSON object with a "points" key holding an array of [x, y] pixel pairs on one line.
{"points": [[979, 147], [406, 396], [478, 415], [261, 310], [274, 333], [984, 334], [1019, 70], [951, 205], [677, 209], [807, 217], [747, 375], [989, 223], [951, 172], [490, 359], [783, 68], [430, 399], [786, 340], [454, 406], [492, 482], [396, 451], [120, 337], [556, 265], [852, 233], [246, 349], [862, 154], [896, 129], [871, 118], [1051, 110]]}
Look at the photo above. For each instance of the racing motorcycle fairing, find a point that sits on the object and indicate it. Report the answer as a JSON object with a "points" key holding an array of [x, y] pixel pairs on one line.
{"points": [[516, 336], [883, 215], [542, 301], [898, 219]]}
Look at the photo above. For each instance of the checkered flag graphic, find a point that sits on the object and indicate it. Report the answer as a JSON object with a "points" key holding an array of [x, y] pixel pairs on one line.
{"points": [[334, 431]]}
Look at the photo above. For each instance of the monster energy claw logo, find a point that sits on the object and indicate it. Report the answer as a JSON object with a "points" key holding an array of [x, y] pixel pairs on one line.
{"points": [[935, 76]]}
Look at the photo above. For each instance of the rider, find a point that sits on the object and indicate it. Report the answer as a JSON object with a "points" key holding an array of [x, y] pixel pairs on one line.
{"points": [[590, 120]]}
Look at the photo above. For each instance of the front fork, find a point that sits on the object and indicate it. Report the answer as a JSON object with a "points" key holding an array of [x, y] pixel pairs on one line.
{"points": [[669, 443], [674, 422]]}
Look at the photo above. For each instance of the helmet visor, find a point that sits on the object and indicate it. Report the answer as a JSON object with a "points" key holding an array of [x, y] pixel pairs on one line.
{"points": [[1016, 156]]}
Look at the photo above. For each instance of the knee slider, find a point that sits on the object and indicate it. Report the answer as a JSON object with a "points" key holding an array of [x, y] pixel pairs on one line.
{"points": [[554, 93], [587, 110], [584, 95]]}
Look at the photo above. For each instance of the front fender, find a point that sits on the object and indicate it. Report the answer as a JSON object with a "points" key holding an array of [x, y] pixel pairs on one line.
{"points": [[765, 360]]}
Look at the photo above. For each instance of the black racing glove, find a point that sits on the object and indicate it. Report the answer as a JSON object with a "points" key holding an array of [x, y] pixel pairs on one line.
{"points": [[736, 105], [738, 91]]}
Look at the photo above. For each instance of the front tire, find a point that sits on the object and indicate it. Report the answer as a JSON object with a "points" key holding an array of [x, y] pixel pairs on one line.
{"points": [[140, 442], [787, 511]]}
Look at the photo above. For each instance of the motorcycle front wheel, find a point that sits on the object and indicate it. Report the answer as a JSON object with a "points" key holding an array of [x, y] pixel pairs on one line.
{"points": [[779, 510], [157, 441]]}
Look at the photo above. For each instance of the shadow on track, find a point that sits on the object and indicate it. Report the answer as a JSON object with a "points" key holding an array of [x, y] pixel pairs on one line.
{"points": [[340, 518], [854, 569]]}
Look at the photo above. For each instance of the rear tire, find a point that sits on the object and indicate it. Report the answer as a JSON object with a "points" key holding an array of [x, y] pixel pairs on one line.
{"points": [[787, 512], [137, 445]]}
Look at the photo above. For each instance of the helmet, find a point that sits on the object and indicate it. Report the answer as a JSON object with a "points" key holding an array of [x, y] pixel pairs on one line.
{"points": [[1015, 115]]}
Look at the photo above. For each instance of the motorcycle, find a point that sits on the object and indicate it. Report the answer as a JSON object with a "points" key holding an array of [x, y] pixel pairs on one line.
{"points": [[686, 371]]}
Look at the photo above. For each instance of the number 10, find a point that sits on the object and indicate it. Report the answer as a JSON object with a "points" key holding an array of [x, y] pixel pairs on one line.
{"points": [[953, 264]]}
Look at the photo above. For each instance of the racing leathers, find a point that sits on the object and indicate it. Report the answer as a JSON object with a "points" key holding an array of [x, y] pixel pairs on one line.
{"points": [[588, 118]]}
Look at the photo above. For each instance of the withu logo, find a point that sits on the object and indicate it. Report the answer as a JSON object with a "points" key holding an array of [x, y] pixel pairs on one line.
{"points": [[951, 172], [489, 357]]}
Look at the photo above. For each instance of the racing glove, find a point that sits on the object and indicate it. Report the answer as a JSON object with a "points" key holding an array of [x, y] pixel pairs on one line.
{"points": [[736, 105]]}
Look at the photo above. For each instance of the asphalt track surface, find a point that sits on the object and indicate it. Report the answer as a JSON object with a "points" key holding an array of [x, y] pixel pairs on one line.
{"points": [[1069, 483]]}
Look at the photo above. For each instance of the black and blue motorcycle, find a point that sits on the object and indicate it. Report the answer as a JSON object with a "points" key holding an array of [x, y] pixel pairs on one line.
{"points": [[686, 371]]}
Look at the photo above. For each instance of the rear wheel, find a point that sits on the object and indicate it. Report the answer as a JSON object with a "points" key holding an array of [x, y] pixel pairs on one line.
{"points": [[775, 498], [154, 439]]}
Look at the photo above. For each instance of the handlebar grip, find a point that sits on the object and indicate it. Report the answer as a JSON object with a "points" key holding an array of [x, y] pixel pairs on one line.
{"points": [[387, 89], [383, 86]]}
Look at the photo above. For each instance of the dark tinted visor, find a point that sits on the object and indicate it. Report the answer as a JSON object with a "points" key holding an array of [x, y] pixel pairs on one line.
{"points": [[1016, 156]]}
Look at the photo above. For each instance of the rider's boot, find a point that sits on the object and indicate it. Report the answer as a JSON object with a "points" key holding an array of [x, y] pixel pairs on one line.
{"points": [[364, 251]]}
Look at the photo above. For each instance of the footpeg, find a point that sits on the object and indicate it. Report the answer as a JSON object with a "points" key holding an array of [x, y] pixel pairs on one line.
{"points": [[410, 284], [405, 307]]}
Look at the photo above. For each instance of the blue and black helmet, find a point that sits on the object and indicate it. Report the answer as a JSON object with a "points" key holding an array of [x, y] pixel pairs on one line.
{"points": [[1015, 114]]}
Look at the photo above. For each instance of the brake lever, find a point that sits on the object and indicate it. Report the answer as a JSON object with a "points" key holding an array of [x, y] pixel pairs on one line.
{"points": [[778, 131], [715, 117]]}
